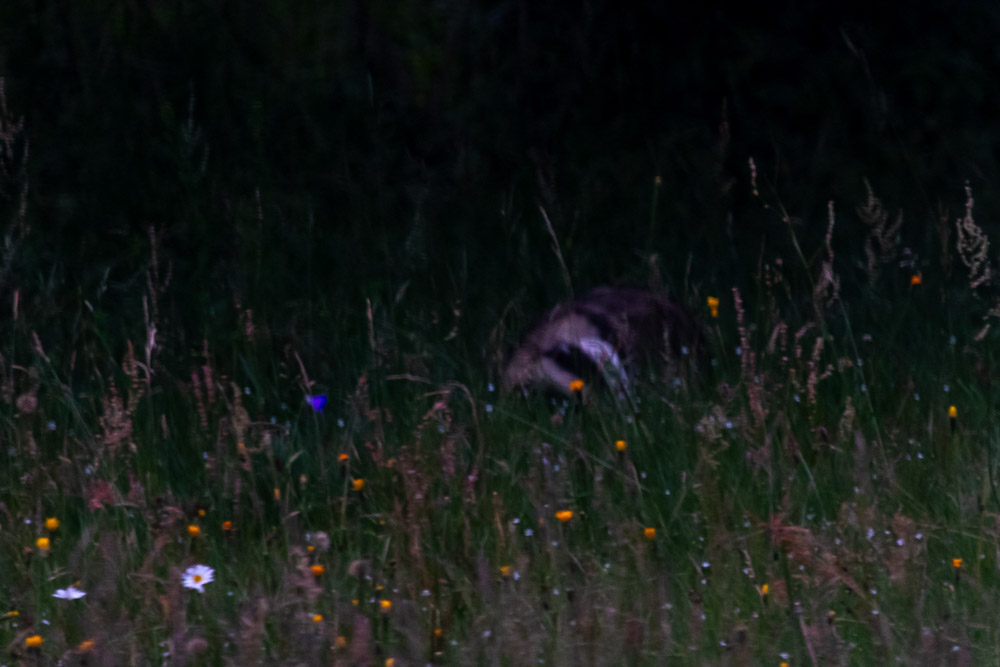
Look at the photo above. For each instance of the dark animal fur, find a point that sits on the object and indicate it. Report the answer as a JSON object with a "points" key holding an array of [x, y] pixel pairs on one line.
{"points": [[620, 326]]}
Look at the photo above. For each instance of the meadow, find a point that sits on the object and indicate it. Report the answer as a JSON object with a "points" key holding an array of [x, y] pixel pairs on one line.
{"points": [[260, 272], [822, 490]]}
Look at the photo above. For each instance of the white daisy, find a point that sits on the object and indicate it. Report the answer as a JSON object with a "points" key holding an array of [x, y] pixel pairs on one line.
{"points": [[71, 593], [197, 576]]}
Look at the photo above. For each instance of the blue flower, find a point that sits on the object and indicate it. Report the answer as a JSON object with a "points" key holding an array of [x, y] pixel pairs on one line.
{"points": [[317, 402]]}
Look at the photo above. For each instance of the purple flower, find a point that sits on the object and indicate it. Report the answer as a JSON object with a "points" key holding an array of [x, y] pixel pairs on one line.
{"points": [[317, 402]]}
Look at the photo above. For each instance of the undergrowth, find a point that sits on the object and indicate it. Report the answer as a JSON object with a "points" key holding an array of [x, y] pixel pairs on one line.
{"points": [[822, 491]]}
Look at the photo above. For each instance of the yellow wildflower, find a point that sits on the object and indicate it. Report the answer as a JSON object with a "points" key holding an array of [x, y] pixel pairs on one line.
{"points": [[576, 386], [43, 543], [952, 412], [51, 524], [317, 618], [620, 445], [713, 305], [564, 515], [358, 484], [649, 533], [956, 563], [317, 570], [194, 531], [34, 641]]}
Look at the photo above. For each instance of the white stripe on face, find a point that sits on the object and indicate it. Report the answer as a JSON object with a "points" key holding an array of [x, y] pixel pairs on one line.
{"points": [[602, 353]]}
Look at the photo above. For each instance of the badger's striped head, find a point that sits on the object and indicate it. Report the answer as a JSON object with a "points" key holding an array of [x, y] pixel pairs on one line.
{"points": [[599, 338]]}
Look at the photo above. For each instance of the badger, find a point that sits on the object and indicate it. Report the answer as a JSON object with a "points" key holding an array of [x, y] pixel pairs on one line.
{"points": [[603, 337]]}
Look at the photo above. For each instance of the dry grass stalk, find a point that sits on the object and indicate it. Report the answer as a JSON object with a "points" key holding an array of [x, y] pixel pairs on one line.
{"points": [[826, 291], [115, 422], [972, 244], [882, 243], [199, 400], [748, 366]]}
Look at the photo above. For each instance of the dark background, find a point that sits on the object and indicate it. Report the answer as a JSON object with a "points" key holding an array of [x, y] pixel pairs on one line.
{"points": [[300, 157]]}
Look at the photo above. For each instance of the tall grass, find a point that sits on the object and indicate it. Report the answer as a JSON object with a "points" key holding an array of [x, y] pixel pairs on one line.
{"points": [[806, 499]]}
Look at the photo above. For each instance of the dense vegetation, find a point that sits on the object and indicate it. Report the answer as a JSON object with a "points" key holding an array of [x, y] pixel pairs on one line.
{"points": [[261, 266]]}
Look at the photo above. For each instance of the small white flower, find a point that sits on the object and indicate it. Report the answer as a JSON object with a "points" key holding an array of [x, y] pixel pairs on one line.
{"points": [[71, 593], [196, 576]]}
